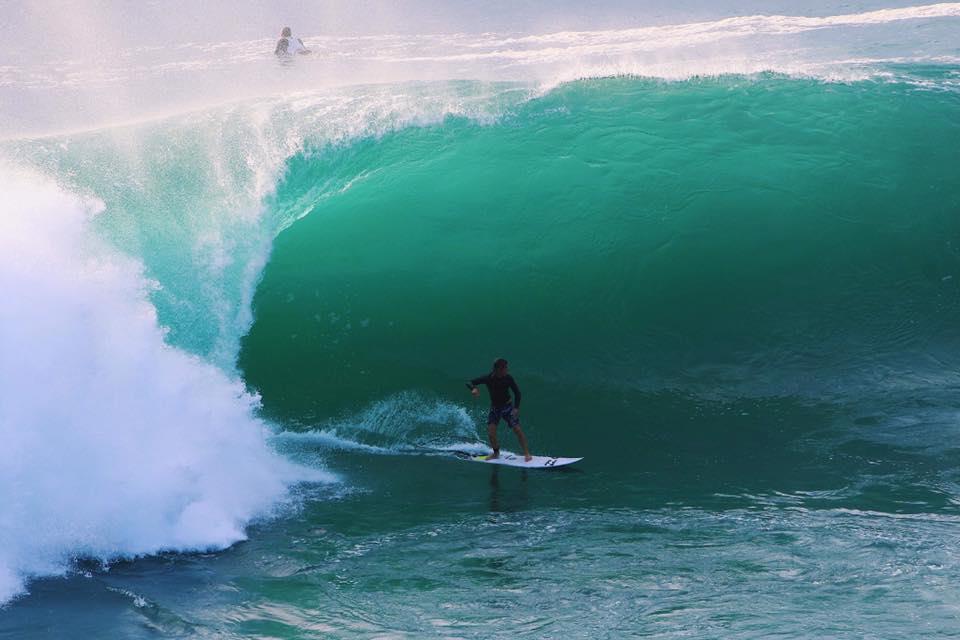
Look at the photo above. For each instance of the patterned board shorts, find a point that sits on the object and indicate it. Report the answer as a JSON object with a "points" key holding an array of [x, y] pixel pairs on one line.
{"points": [[503, 413]]}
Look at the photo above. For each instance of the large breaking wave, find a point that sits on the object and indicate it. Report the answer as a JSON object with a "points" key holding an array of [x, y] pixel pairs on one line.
{"points": [[729, 225]]}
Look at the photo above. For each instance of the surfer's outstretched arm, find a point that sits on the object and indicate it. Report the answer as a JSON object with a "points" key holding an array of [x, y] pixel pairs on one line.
{"points": [[472, 385]]}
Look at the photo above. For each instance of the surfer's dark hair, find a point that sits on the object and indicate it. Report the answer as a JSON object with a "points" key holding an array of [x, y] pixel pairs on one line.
{"points": [[285, 33], [499, 365]]}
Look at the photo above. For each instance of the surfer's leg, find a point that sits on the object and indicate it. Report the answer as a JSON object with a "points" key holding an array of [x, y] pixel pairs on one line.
{"points": [[492, 433], [523, 442]]}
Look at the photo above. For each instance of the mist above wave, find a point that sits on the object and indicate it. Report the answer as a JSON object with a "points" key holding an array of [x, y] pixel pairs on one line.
{"points": [[100, 83]]}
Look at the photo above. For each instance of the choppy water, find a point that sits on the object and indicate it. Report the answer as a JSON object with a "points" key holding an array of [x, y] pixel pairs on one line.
{"points": [[234, 340]]}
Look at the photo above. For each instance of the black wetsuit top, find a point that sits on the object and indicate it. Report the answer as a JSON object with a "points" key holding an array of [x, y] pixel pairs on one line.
{"points": [[499, 389]]}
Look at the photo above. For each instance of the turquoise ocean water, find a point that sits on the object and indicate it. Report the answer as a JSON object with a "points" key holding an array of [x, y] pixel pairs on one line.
{"points": [[235, 337]]}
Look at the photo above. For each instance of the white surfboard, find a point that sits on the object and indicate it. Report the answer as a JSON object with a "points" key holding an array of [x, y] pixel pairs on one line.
{"points": [[516, 460]]}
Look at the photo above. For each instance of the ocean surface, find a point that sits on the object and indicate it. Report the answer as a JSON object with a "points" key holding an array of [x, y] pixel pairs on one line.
{"points": [[721, 252]]}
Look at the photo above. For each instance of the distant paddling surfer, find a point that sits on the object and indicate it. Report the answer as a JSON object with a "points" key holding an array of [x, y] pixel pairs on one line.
{"points": [[500, 383], [287, 45]]}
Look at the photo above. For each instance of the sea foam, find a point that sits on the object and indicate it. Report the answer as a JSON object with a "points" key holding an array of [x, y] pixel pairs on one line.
{"points": [[115, 444]]}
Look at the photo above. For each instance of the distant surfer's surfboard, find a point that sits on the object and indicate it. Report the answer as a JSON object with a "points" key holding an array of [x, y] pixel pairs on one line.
{"points": [[514, 460]]}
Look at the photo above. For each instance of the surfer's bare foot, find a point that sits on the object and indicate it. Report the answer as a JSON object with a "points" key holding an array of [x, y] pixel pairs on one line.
{"points": [[493, 456], [528, 458]]}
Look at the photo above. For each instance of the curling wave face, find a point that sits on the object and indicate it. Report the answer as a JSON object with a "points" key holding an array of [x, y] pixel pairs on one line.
{"points": [[748, 236]]}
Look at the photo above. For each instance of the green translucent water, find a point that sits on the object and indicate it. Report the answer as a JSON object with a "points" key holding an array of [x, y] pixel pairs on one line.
{"points": [[718, 236], [737, 298]]}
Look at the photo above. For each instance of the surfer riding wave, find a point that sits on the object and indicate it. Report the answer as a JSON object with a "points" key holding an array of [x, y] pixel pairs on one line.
{"points": [[500, 384]]}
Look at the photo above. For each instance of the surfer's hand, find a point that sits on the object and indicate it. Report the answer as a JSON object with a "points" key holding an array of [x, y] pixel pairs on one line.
{"points": [[516, 412], [475, 392]]}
